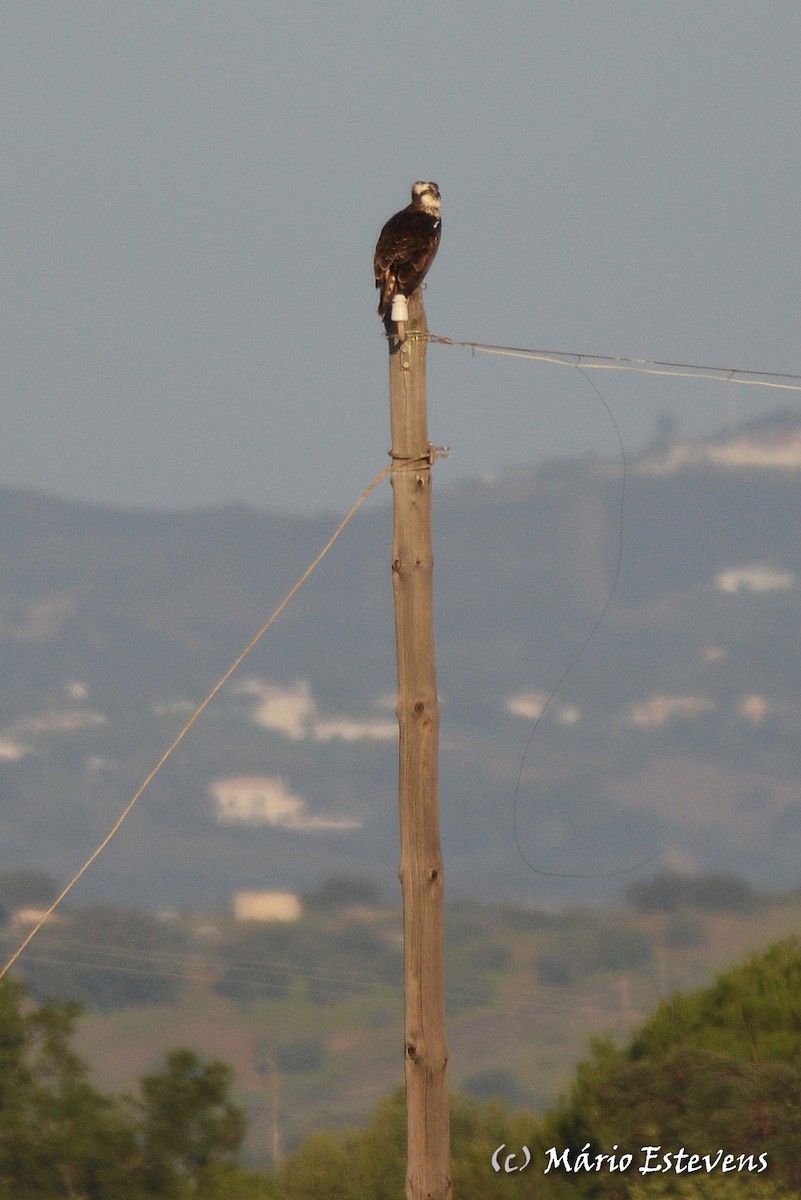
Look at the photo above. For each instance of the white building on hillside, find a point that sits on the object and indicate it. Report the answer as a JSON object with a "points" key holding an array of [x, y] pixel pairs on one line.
{"points": [[754, 579], [267, 906], [266, 800], [256, 800]]}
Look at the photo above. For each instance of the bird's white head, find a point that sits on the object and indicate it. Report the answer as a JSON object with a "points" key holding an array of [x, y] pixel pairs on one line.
{"points": [[426, 196]]}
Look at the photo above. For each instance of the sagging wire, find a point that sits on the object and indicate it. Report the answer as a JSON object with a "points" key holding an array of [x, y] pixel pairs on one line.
{"points": [[219, 685]]}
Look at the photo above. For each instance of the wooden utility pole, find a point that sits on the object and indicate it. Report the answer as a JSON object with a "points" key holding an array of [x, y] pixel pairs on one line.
{"points": [[421, 871]]}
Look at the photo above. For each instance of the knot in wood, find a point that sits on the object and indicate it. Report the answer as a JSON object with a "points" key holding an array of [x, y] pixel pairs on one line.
{"points": [[419, 707]]}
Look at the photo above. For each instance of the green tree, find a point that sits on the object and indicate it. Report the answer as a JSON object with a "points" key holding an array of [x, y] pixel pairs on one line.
{"points": [[718, 1068], [60, 1137], [370, 1164], [716, 1187], [670, 891], [81, 959], [190, 1129], [340, 891], [27, 889]]}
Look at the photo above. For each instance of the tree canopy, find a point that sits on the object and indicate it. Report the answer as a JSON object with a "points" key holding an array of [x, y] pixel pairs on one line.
{"points": [[716, 1073], [718, 1070], [720, 1067], [60, 1136]]}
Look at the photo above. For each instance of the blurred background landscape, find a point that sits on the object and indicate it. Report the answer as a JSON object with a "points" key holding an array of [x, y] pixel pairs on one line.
{"points": [[674, 736]]}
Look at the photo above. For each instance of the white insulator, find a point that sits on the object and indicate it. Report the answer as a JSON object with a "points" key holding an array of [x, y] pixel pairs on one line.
{"points": [[400, 309]]}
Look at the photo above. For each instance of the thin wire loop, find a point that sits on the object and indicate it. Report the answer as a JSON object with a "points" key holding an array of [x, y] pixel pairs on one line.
{"points": [[601, 362], [576, 656], [577, 360]]}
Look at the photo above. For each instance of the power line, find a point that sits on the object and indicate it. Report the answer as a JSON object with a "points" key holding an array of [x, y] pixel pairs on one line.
{"points": [[644, 366], [577, 359], [221, 682], [238, 971], [584, 362]]}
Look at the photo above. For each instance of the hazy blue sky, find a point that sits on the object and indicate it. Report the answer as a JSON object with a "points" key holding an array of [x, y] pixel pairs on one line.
{"points": [[193, 191]]}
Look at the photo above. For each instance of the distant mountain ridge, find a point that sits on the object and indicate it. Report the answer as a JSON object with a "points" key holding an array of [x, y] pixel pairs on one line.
{"points": [[675, 731]]}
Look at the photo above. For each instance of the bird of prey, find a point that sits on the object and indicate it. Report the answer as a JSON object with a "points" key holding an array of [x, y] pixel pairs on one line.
{"points": [[407, 246]]}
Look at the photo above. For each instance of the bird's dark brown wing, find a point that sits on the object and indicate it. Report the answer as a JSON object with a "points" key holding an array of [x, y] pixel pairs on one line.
{"points": [[405, 250]]}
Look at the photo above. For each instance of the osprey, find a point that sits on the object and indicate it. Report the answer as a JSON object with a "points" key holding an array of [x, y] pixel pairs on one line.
{"points": [[407, 246]]}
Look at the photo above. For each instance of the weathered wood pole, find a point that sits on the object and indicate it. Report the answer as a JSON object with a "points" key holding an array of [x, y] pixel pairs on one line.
{"points": [[421, 869]]}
